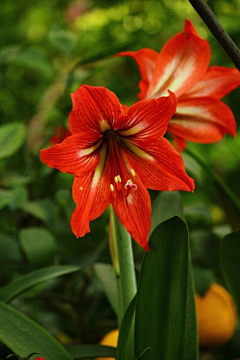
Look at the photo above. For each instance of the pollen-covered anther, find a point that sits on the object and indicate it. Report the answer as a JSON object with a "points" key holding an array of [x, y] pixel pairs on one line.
{"points": [[133, 172], [111, 187], [118, 182]]}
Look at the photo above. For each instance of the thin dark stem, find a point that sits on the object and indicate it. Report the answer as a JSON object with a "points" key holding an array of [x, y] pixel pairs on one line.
{"points": [[217, 30]]}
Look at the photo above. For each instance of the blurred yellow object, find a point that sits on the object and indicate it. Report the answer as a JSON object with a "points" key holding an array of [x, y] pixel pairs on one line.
{"points": [[110, 339], [217, 316]]}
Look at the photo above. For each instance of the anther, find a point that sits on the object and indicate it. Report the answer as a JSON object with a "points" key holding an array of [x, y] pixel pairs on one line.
{"points": [[81, 188], [111, 187], [132, 172]]}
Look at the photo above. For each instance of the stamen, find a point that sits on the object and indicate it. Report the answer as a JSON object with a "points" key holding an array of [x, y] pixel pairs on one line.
{"points": [[111, 187], [133, 172], [118, 182]]}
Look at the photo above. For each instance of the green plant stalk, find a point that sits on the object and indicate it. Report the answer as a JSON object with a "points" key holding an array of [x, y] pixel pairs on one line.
{"points": [[122, 257], [217, 179]]}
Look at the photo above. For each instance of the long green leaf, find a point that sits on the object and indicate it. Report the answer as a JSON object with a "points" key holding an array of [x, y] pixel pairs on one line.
{"points": [[23, 336], [229, 259], [125, 347], [106, 279], [161, 309], [25, 282], [192, 346], [90, 351]]}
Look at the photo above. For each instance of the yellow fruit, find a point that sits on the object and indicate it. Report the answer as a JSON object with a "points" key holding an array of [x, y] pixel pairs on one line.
{"points": [[217, 316], [110, 339]]}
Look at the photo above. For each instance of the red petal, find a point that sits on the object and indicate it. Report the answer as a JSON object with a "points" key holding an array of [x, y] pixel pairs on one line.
{"points": [[182, 62], [179, 144], [217, 82], [147, 119], [202, 120], [93, 108], [78, 154], [146, 60], [92, 196], [134, 212], [163, 169]]}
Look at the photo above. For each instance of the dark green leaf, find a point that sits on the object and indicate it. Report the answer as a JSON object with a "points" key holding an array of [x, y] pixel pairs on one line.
{"points": [[90, 351], [106, 279], [6, 197], [23, 336], [63, 40], [38, 244], [9, 249], [143, 353], [20, 196], [125, 347], [161, 212], [229, 257], [11, 138], [41, 209], [203, 279], [161, 309], [25, 282], [192, 344]]}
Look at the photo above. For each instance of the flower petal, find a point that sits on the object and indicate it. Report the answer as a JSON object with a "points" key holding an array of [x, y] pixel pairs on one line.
{"points": [[147, 119], [217, 82], [182, 62], [179, 144], [202, 120], [78, 154], [146, 60], [92, 196], [162, 169], [94, 108], [134, 212]]}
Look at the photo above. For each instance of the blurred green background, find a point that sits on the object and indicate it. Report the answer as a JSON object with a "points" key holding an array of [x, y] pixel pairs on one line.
{"points": [[48, 49]]}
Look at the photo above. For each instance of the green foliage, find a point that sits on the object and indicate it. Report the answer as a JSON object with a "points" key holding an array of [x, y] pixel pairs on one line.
{"points": [[161, 307], [11, 138], [24, 336]]}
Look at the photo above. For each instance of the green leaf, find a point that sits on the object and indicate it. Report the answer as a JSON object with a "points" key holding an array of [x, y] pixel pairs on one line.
{"points": [[161, 309], [41, 209], [11, 138], [90, 351], [203, 279], [9, 249], [161, 212], [38, 244], [63, 40], [192, 343], [125, 347], [25, 282], [106, 279], [143, 353], [6, 197], [23, 336], [229, 258], [20, 196]]}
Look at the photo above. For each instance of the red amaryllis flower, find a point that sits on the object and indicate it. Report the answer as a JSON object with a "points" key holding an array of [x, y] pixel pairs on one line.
{"points": [[183, 67], [115, 153]]}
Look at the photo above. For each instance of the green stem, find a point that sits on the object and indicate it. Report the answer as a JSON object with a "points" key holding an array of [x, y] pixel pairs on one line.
{"points": [[123, 261], [217, 179]]}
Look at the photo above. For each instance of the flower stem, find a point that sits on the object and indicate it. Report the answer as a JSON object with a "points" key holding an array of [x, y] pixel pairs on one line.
{"points": [[217, 30], [123, 262]]}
